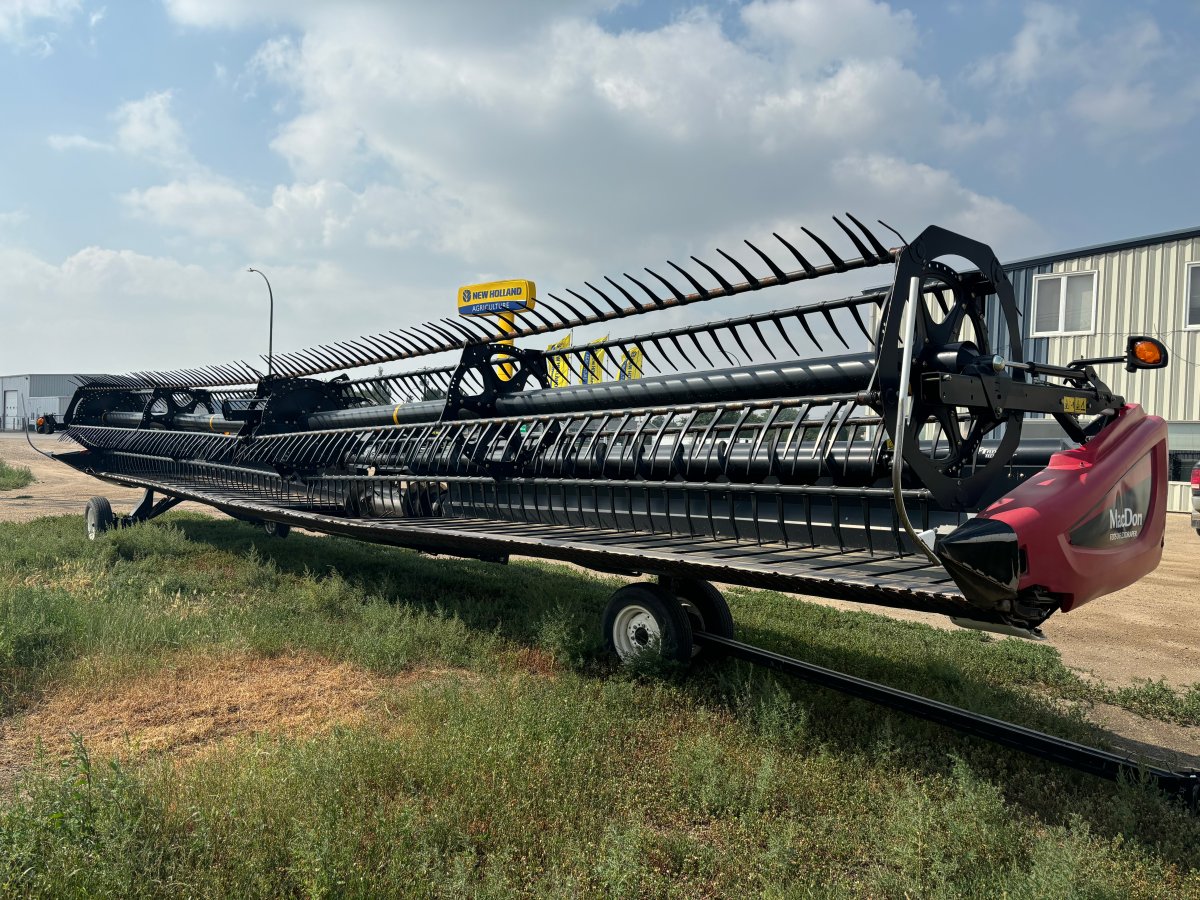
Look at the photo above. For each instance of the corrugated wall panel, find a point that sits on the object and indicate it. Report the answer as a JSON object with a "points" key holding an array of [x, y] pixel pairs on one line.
{"points": [[52, 385], [1139, 291], [1179, 496]]}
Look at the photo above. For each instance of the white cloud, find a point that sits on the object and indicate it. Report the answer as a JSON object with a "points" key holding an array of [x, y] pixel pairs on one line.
{"points": [[63, 142], [13, 218], [816, 35], [1115, 82], [23, 22], [1046, 45], [147, 128]]}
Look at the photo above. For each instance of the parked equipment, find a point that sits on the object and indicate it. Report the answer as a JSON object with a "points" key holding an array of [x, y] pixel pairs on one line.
{"points": [[892, 474]]}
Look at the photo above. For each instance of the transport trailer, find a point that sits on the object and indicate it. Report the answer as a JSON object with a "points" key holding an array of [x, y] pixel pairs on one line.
{"points": [[739, 450]]}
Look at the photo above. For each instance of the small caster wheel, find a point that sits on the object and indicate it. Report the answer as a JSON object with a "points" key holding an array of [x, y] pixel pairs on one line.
{"points": [[276, 529], [645, 618], [99, 517], [706, 610]]}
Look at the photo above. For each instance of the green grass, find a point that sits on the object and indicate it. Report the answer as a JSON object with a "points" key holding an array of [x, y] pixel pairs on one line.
{"points": [[588, 781], [12, 478]]}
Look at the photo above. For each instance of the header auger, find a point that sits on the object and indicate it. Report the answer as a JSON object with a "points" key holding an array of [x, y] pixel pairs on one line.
{"points": [[737, 450]]}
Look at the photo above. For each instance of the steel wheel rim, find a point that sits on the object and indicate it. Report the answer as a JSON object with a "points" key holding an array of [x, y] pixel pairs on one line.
{"points": [[635, 630], [91, 526]]}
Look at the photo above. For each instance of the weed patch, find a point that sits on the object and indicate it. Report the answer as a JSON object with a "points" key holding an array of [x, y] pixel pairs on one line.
{"points": [[14, 477]]}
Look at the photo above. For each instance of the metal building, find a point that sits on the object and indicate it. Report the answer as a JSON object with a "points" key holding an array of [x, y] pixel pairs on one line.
{"points": [[1086, 302], [25, 397]]}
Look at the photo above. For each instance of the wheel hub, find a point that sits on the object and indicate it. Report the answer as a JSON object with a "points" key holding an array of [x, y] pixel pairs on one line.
{"points": [[635, 631]]}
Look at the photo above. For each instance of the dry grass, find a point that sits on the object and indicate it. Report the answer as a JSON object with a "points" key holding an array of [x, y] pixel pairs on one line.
{"points": [[201, 701]]}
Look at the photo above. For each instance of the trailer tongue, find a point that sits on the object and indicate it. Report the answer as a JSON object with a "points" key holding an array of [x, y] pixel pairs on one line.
{"points": [[893, 475]]}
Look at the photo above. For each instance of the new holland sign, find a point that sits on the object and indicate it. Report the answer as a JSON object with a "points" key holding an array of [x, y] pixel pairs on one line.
{"points": [[510, 296]]}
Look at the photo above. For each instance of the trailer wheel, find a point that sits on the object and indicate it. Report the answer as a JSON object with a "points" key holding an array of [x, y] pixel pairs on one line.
{"points": [[706, 609], [643, 618], [276, 529], [99, 517]]}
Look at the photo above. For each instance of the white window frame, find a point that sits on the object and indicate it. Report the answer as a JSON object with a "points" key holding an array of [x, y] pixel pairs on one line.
{"points": [[1062, 307], [1192, 270]]}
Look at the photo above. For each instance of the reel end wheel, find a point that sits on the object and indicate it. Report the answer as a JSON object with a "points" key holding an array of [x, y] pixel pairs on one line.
{"points": [[98, 517]]}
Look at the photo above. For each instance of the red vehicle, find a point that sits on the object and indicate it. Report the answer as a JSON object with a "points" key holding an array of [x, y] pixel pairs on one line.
{"points": [[1196, 497]]}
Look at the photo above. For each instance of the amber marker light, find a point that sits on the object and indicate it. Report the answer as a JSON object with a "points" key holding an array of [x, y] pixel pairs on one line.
{"points": [[1148, 352]]}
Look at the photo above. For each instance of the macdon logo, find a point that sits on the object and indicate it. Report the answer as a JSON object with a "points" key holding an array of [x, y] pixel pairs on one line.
{"points": [[1124, 523]]}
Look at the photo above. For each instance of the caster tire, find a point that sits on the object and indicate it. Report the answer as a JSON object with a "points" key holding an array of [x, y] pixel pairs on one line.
{"points": [[644, 617], [706, 609], [99, 517], [276, 529]]}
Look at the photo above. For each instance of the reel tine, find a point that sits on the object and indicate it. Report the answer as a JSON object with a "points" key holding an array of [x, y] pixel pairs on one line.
{"points": [[738, 338], [893, 231], [700, 289], [712, 332], [600, 314], [682, 352], [859, 322], [468, 335], [576, 313], [607, 299], [654, 298], [725, 285], [480, 332], [659, 347], [866, 254], [675, 292], [783, 333], [419, 338], [880, 251], [628, 296], [404, 342], [754, 283], [833, 327], [775, 270], [699, 347], [803, 317], [441, 328], [838, 263], [758, 334], [809, 269], [549, 307]]}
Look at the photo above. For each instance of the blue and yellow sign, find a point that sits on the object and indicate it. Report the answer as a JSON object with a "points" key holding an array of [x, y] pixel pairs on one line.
{"points": [[496, 297]]}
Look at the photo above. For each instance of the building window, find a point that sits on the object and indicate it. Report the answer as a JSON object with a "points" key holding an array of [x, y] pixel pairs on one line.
{"points": [[1063, 304], [1193, 295]]}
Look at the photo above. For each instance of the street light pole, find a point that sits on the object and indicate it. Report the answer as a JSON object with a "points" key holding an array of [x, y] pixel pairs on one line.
{"points": [[271, 329]]}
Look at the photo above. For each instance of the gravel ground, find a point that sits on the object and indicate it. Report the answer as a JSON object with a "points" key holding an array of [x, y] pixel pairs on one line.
{"points": [[1148, 631]]}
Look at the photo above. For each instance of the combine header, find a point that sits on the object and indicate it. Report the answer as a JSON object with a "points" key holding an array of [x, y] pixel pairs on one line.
{"points": [[739, 450]]}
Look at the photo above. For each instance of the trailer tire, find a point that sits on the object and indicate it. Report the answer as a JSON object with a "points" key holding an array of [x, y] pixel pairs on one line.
{"points": [[706, 609], [98, 516], [644, 617], [276, 529]]}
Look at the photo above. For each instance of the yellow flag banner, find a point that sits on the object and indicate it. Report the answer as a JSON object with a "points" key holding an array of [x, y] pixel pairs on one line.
{"points": [[631, 365], [593, 363], [557, 368]]}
